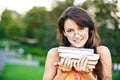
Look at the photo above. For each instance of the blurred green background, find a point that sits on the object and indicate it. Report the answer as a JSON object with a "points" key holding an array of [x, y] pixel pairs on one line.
{"points": [[27, 38]]}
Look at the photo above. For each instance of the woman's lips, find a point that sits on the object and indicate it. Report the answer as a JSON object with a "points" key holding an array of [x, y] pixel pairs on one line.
{"points": [[78, 41]]}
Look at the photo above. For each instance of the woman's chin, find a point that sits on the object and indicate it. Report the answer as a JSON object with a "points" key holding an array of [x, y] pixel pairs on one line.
{"points": [[79, 46]]}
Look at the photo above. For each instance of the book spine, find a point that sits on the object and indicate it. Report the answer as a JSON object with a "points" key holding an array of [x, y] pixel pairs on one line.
{"points": [[90, 57]]}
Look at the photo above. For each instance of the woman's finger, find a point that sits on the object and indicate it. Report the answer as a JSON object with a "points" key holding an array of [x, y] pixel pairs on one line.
{"points": [[65, 62], [82, 61], [84, 66], [92, 62], [91, 66]]}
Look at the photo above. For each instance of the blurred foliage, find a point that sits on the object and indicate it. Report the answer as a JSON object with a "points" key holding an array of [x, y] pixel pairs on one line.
{"points": [[35, 51], [35, 19], [116, 59], [59, 7], [2, 31], [40, 24], [111, 39], [11, 25]]}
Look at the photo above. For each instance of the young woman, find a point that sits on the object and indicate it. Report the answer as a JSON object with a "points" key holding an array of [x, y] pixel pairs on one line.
{"points": [[77, 29]]}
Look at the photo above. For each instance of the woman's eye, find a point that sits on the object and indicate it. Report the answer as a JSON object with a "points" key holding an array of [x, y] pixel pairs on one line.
{"points": [[81, 28], [69, 30]]}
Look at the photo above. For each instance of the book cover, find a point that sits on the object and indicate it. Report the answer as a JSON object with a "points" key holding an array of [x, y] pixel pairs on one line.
{"points": [[75, 50]]}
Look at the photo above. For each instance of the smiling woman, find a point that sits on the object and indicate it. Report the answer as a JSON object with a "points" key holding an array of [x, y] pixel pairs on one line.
{"points": [[76, 29]]}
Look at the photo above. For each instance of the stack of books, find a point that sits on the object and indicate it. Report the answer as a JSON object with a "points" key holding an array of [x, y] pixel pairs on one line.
{"points": [[77, 53]]}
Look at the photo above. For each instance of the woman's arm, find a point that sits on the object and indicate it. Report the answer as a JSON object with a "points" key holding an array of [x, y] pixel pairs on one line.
{"points": [[52, 71], [105, 58]]}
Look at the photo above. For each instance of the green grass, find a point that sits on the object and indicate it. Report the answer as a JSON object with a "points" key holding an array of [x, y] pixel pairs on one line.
{"points": [[116, 76], [21, 72]]}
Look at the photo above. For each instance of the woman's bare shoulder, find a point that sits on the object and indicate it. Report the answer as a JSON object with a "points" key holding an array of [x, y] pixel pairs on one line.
{"points": [[53, 52], [102, 48], [103, 51], [105, 58]]}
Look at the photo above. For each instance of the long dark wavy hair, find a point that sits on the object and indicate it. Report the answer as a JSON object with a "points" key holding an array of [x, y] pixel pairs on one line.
{"points": [[82, 19]]}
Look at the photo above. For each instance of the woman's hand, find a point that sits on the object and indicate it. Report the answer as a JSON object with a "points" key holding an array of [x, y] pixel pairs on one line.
{"points": [[83, 65], [65, 64]]}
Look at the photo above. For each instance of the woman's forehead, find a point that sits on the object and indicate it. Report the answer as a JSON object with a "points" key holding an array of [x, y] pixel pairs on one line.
{"points": [[69, 23]]}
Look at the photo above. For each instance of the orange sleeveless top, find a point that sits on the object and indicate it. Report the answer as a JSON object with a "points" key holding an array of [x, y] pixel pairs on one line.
{"points": [[74, 75]]}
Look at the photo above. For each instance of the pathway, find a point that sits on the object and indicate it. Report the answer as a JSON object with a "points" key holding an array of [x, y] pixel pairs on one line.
{"points": [[5, 59]]}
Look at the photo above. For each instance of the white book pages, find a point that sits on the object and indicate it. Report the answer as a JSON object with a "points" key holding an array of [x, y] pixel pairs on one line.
{"points": [[75, 50], [78, 56]]}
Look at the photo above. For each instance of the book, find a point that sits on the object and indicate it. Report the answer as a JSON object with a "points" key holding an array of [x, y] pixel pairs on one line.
{"points": [[78, 56], [75, 50], [77, 53]]}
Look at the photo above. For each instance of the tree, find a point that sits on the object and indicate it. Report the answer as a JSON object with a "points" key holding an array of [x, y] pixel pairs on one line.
{"points": [[103, 11], [12, 25], [15, 31], [2, 31], [34, 19], [59, 7], [6, 18], [40, 26]]}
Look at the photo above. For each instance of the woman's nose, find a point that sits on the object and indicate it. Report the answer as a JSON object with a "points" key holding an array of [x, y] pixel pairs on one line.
{"points": [[77, 35]]}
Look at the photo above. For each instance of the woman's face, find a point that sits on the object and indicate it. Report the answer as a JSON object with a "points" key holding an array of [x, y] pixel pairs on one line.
{"points": [[76, 35]]}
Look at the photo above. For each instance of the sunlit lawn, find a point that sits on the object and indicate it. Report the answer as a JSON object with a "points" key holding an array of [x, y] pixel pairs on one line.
{"points": [[116, 76], [21, 72]]}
